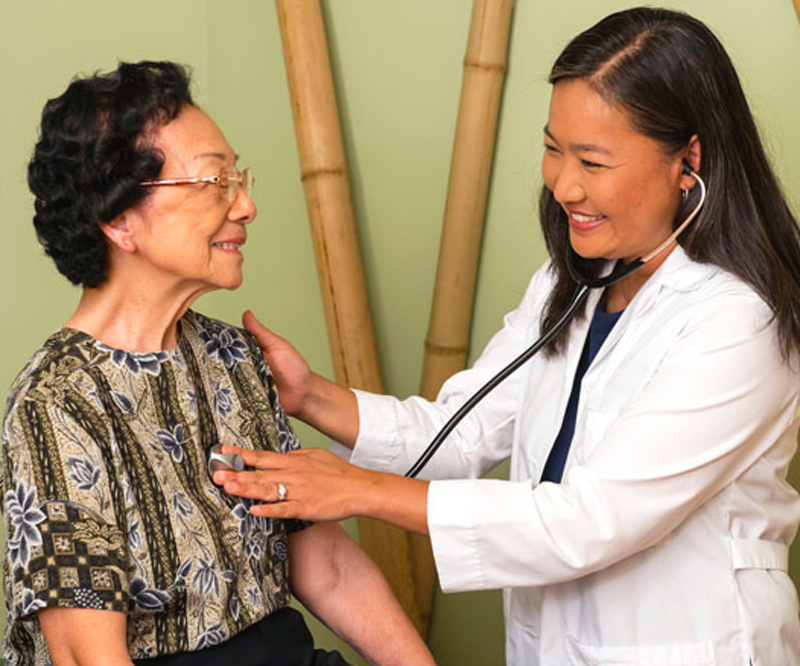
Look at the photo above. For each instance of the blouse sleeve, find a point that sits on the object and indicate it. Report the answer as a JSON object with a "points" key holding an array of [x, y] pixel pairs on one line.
{"points": [[65, 546]]}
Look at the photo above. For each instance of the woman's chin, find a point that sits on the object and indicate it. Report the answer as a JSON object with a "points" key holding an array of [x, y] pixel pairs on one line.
{"points": [[228, 282], [586, 252]]}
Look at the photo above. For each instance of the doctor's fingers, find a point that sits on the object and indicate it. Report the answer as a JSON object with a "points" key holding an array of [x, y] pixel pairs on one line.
{"points": [[292, 495], [259, 459], [258, 485], [306, 461]]}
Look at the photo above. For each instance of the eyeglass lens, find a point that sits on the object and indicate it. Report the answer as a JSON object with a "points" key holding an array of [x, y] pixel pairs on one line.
{"points": [[230, 180]]}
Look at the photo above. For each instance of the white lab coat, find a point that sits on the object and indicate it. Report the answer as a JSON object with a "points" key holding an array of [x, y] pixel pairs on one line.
{"points": [[667, 541]]}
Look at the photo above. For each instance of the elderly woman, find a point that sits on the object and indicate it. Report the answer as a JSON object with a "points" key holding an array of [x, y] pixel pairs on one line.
{"points": [[120, 547]]}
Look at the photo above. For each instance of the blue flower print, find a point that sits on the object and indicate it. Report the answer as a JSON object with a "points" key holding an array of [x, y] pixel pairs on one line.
{"points": [[255, 595], [255, 546], [128, 491], [214, 635], [233, 606], [254, 530], [192, 402], [172, 442], [280, 551], [83, 472], [183, 571], [24, 516], [205, 578], [287, 439], [135, 362], [226, 346], [223, 402], [181, 504], [30, 603], [134, 536], [123, 402], [147, 599]]}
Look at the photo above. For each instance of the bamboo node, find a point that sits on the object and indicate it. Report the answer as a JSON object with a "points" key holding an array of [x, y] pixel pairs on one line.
{"points": [[434, 348], [314, 173], [486, 66]]}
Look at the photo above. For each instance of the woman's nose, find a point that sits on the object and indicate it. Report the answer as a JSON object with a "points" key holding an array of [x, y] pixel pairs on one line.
{"points": [[568, 187], [243, 208]]}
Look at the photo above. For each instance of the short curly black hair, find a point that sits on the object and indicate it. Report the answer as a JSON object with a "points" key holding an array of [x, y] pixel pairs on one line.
{"points": [[92, 153]]}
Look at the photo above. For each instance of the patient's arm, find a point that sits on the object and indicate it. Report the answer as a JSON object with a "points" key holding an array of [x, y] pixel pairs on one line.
{"points": [[337, 582], [85, 636]]}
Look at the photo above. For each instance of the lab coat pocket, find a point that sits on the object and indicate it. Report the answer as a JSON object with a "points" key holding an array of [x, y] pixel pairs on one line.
{"points": [[687, 654]]}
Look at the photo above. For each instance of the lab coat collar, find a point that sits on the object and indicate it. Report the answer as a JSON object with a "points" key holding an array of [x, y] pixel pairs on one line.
{"points": [[681, 273], [678, 273]]}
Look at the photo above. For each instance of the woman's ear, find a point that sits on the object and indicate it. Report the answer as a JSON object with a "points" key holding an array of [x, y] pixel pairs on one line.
{"points": [[691, 155], [119, 232]]}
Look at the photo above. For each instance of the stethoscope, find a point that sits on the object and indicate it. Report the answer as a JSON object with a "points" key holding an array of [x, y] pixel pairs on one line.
{"points": [[621, 270], [230, 461]]}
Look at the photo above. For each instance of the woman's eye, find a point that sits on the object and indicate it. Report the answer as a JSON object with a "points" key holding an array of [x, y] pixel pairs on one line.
{"points": [[550, 149], [591, 165]]}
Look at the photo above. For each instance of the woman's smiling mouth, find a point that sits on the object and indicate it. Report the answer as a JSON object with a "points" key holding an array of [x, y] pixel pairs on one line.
{"points": [[584, 222]]}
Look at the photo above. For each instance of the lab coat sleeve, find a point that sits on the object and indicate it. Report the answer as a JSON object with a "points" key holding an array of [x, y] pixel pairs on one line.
{"points": [[721, 397], [393, 433]]}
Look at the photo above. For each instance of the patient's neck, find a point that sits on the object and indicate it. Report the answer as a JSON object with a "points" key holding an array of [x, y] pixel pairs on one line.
{"points": [[134, 315]]}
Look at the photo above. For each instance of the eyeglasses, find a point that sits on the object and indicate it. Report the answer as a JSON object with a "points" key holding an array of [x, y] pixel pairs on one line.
{"points": [[228, 179]]}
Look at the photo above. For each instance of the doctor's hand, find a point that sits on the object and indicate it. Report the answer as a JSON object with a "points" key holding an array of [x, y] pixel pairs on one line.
{"points": [[293, 376], [303, 393], [317, 485]]}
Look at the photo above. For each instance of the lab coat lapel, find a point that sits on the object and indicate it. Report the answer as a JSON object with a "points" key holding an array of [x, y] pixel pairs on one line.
{"points": [[678, 272]]}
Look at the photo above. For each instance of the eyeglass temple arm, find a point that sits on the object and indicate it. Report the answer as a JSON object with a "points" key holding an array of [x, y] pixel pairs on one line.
{"points": [[181, 181]]}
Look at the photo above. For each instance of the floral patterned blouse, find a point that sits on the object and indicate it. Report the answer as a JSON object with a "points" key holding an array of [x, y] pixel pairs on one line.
{"points": [[108, 504]]}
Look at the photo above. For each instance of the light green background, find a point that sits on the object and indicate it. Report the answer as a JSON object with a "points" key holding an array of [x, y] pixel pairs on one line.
{"points": [[398, 74]]}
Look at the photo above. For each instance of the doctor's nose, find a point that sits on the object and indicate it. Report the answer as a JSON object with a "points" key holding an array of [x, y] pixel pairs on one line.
{"points": [[567, 187]]}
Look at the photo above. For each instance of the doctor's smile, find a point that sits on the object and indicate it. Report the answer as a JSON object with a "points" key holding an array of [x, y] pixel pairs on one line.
{"points": [[583, 222]]}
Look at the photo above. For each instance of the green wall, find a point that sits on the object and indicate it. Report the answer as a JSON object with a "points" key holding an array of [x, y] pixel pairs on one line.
{"points": [[398, 74]]}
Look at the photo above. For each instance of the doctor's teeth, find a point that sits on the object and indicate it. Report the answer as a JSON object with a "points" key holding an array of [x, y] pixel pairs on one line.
{"points": [[227, 246], [586, 218]]}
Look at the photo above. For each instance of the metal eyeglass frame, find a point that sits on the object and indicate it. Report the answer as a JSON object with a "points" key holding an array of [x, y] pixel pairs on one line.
{"points": [[228, 179]]}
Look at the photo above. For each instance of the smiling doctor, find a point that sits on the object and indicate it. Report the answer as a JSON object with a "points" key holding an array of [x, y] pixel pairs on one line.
{"points": [[648, 518]]}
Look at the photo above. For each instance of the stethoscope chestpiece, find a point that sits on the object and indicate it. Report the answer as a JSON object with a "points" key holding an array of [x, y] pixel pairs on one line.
{"points": [[223, 462]]}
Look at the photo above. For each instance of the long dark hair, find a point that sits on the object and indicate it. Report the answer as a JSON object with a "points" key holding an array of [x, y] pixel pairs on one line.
{"points": [[674, 79]]}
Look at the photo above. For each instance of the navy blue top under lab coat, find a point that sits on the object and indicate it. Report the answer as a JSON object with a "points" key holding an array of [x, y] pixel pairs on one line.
{"points": [[602, 323]]}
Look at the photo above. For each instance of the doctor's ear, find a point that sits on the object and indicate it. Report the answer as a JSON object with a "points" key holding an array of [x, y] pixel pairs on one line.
{"points": [[690, 162], [119, 233]]}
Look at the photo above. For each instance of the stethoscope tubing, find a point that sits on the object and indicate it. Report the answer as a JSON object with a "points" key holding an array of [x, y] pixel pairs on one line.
{"points": [[481, 393]]}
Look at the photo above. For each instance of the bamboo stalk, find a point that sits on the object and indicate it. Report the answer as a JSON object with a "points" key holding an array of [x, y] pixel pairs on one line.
{"points": [[339, 266], [447, 341], [459, 251]]}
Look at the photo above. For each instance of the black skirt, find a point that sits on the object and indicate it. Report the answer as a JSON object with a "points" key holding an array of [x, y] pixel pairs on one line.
{"points": [[280, 639]]}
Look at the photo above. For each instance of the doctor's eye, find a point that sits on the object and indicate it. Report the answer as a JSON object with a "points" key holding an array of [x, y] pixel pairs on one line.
{"points": [[591, 165]]}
